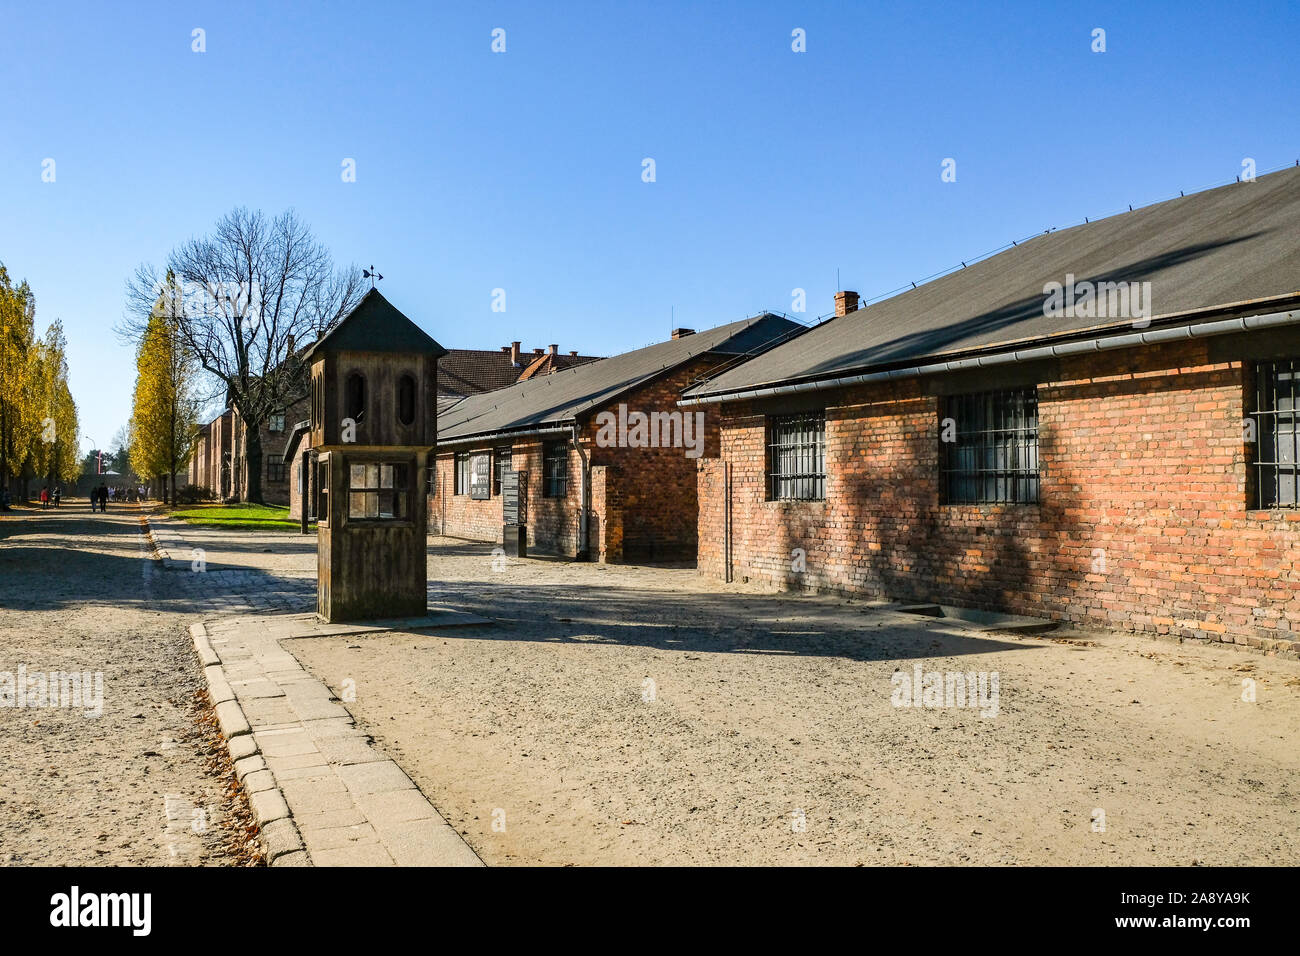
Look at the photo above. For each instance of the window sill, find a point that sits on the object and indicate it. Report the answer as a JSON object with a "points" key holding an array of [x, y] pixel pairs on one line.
{"points": [[990, 508], [1273, 514]]}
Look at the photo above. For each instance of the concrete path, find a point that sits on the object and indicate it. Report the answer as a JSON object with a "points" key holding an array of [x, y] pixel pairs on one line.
{"points": [[322, 793]]}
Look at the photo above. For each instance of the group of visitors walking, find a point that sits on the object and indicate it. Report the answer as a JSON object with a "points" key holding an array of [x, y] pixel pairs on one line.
{"points": [[100, 496]]}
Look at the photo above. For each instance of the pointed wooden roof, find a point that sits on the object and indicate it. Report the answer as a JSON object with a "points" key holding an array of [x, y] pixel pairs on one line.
{"points": [[376, 325]]}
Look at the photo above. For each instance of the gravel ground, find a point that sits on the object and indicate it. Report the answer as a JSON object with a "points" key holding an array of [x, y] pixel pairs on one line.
{"points": [[769, 736], [146, 782]]}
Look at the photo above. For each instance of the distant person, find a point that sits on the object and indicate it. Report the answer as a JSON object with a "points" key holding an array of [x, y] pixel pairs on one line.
{"points": [[58, 495], [45, 497], [103, 498]]}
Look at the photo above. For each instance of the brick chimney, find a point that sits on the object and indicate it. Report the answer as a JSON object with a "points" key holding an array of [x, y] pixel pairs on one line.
{"points": [[846, 302], [539, 351], [573, 353], [555, 350], [514, 353], [682, 333]]}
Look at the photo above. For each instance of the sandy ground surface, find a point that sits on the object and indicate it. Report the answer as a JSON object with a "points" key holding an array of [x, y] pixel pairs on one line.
{"points": [[768, 735], [144, 783]]}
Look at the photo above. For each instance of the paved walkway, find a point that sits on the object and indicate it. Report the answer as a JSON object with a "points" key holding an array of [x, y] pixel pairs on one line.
{"points": [[321, 791]]}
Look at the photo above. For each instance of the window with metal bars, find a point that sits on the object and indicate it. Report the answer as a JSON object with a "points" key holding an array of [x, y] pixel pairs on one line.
{"points": [[796, 457], [989, 448], [1277, 400], [502, 456], [462, 465], [555, 469]]}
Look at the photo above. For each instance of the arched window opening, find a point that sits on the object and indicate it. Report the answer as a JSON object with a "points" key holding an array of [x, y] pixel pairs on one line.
{"points": [[406, 400], [354, 397]]}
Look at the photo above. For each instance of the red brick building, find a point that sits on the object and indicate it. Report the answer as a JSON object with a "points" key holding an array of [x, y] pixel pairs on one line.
{"points": [[608, 461], [992, 441], [219, 461]]}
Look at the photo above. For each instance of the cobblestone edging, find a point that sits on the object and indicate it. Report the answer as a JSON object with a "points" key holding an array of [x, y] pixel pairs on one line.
{"points": [[321, 792], [281, 840]]}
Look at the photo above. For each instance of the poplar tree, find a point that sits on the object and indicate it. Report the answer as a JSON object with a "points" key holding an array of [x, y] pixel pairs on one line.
{"points": [[166, 405], [17, 370]]}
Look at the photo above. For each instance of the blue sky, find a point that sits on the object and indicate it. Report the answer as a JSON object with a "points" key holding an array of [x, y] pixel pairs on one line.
{"points": [[523, 170]]}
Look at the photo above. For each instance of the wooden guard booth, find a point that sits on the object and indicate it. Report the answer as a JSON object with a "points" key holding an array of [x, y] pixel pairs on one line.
{"points": [[374, 426]]}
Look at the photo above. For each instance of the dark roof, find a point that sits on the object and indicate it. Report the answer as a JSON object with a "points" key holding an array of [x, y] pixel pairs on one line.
{"points": [[295, 436], [471, 371], [1215, 248], [376, 325], [564, 395]]}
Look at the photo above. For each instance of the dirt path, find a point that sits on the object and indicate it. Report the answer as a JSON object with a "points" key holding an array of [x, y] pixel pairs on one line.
{"points": [[769, 710], [135, 785]]}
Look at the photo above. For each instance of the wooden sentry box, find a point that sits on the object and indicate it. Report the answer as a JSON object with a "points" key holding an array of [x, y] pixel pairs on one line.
{"points": [[374, 426]]}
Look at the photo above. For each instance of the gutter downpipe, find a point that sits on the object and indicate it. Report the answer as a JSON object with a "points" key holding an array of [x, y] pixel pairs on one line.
{"points": [[1099, 344], [584, 550]]}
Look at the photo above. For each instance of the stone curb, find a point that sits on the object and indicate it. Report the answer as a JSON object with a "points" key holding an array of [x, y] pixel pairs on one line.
{"points": [[281, 842], [169, 545]]}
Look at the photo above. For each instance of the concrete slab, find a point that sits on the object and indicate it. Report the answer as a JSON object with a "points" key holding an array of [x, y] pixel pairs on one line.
{"points": [[320, 790], [379, 777]]}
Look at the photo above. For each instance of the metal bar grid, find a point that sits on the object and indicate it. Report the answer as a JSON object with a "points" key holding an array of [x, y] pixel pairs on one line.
{"points": [[796, 457], [1277, 400], [994, 457], [555, 469]]}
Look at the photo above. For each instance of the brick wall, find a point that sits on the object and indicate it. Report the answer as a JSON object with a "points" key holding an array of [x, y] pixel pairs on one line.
{"points": [[1143, 521], [643, 503]]}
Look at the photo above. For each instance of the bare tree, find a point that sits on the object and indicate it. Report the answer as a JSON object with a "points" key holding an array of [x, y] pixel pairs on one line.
{"points": [[246, 301]]}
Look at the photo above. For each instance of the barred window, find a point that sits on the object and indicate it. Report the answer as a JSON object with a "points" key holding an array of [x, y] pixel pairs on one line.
{"points": [[276, 424], [555, 469], [1277, 399], [274, 470], [989, 448], [462, 473], [796, 457], [378, 491], [502, 456]]}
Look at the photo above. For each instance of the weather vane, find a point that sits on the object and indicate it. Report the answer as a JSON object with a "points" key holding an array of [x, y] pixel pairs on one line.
{"points": [[371, 274]]}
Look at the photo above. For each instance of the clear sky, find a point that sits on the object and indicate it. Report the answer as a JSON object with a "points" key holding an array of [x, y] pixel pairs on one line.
{"points": [[522, 170]]}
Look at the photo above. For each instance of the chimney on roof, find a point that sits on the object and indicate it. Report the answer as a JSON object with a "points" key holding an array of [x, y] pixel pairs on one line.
{"points": [[846, 302], [505, 348], [682, 333], [539, 351], [514, 353], [555, 350], [573, 353]]}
